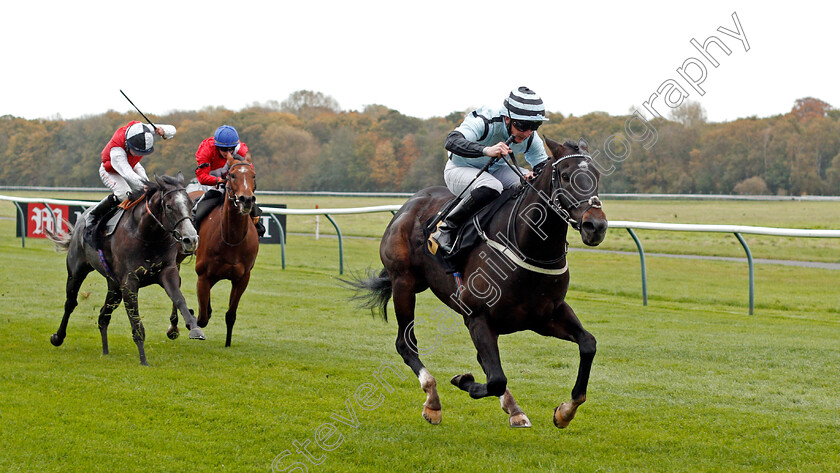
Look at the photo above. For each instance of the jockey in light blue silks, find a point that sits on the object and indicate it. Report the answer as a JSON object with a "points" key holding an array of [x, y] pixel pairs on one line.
{"points": [[480, 138]]}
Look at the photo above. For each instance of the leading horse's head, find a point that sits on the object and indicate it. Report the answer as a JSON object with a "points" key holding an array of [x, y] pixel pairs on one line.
{"points": [[241, 183], [574, 187], [166, 194]]}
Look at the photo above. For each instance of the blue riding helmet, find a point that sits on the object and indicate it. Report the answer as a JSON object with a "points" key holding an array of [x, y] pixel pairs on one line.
{"points": [[226, 137]]}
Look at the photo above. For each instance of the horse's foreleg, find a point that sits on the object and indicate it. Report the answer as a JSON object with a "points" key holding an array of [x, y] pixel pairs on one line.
{"points": [[486, 341], [404, 302], [202, 289], [565, 325], [236, 290], [138, 332], [171, 282], [75, 277], [112, 301]]}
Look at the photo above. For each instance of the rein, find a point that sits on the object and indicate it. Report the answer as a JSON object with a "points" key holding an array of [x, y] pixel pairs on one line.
{"points": [[565, 215]]}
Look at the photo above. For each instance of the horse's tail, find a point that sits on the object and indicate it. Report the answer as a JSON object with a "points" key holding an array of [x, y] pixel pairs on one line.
{"points": [[372, 292], [61, 239]]}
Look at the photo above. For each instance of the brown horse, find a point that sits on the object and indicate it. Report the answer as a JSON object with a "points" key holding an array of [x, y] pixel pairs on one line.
{"points": [[141, 251], [229, 243], [516, 278]]}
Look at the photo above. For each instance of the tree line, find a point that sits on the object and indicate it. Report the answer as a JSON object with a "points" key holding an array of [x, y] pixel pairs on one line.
{"points": [[308, 143]]}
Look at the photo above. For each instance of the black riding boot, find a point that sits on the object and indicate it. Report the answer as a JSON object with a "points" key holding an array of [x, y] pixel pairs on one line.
{"points": [[92, 217], [447, 231], [206, 203], [255, 214]]}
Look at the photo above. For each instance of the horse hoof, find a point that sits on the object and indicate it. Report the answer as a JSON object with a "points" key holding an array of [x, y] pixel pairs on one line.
{"points": [[563, 415], [197, 334], [433, 416], [55, 340], [520, 421], [173, 333], [459, 380], [203, 323]]}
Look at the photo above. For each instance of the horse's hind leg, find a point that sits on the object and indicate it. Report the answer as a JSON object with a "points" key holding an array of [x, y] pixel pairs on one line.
{"points": [[486, 341], [112, 301], [76, 274], [517, 415], [404, 297], [566, 326], [237, 288], [172, 332], [138, 332]]}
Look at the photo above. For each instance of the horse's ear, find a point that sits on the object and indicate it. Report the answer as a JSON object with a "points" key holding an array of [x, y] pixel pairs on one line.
{"points": [[553, 146], [583, 145], [159, 182], [180, 177]]}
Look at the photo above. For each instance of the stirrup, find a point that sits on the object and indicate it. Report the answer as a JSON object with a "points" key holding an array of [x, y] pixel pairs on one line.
{"points": [[434, 245]]}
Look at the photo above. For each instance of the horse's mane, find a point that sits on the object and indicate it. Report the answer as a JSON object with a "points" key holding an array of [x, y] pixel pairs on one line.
{"points": [[152, 187]]}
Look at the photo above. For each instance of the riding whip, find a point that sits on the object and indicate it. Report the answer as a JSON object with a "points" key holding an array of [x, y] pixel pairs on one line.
{"points": [[138, 110]]}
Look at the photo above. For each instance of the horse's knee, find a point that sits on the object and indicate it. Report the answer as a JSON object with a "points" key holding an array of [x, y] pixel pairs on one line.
{"points": [[496, 387]]}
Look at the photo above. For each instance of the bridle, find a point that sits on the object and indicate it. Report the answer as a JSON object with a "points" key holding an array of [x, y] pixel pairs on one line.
{"points": [[228, 188], [232, 197], [557, 193], [174, 230]]}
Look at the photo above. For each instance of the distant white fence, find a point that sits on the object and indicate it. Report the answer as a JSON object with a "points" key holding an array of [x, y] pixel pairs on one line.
{"points": [[737, 230]]}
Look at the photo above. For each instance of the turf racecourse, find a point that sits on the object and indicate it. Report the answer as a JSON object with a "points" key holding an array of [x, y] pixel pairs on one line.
{"points": [[689, 383]]}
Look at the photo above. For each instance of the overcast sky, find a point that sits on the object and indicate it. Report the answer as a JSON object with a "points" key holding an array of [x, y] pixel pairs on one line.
{"points": [[423, 58]]}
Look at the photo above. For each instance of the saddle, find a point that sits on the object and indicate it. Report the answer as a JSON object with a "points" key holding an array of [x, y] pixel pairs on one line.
{"points": [[210, 200], [469, 234]]}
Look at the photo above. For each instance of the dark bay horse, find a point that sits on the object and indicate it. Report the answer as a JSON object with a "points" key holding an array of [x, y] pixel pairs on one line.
{"points": [[141, 251], [229, 243], [515, 279]]}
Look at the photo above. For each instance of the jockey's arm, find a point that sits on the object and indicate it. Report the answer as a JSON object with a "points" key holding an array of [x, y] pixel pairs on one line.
{"points": [[458, 144], [141, 171], [119, 161], [166, 131]]}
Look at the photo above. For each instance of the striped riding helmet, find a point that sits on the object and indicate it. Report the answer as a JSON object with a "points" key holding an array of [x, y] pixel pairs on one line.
{"points": [[524, 104], [140, 138]]}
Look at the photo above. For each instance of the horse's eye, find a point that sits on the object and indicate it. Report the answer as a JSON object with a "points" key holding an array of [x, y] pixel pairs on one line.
{"points": [[564, 176]]}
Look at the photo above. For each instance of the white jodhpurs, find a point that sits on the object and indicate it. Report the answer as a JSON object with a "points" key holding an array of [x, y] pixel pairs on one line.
{"points": [[457, 178]]}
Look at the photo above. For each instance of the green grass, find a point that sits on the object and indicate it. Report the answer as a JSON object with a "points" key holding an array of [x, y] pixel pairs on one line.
{"points": [[689, 383]]}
